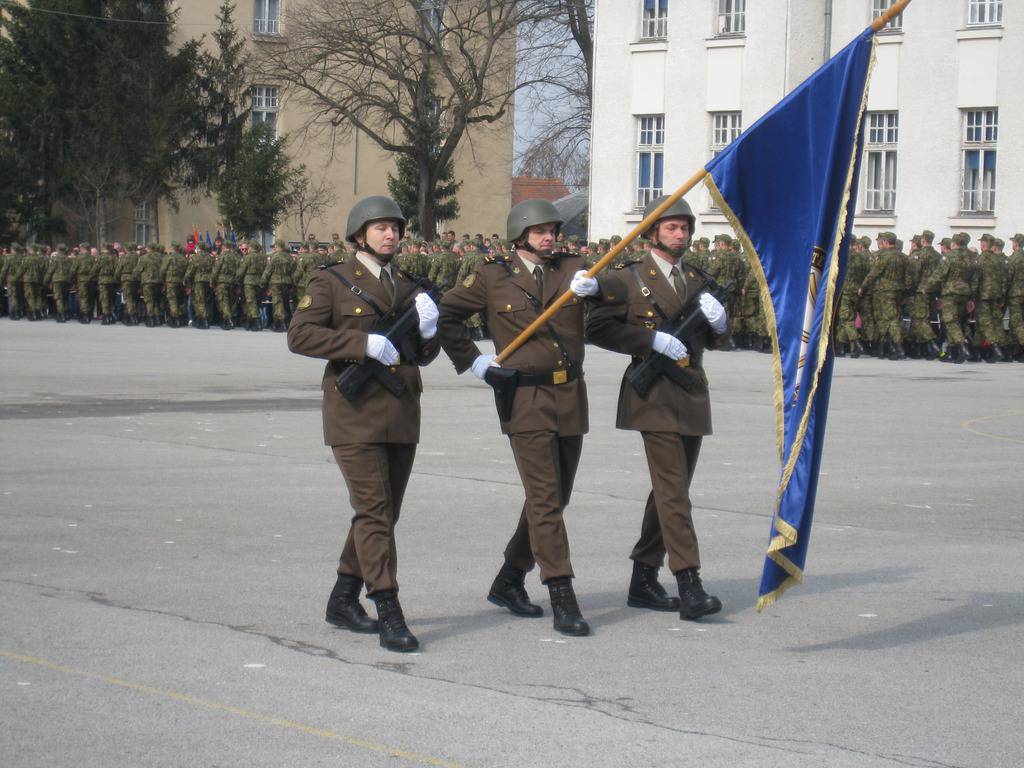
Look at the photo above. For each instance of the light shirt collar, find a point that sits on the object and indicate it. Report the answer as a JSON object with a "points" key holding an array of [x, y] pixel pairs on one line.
{"points": [[665, 266], [374, 268], [530, 266]]}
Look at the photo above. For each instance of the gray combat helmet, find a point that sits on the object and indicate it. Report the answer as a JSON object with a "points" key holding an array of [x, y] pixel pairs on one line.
{"points": [[370, 209], [531, 213], [679, 208]]}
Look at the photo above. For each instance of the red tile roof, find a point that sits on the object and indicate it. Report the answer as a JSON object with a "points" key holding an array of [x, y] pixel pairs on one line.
{"points": [[530, 188]]}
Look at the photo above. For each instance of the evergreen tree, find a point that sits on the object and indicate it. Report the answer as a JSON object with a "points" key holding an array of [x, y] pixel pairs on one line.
{"points": [[260, 185], [404, 188], [96, 111], [224, 80]]}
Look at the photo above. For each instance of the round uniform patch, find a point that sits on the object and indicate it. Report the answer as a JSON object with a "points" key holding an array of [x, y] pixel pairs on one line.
{"points": [[305, 302], [468, 282]]}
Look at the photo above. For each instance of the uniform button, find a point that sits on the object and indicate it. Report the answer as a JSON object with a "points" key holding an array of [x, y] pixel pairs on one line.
{"points": [[554, 344], [359, 310], [393, 369], [560, 363], [508, 307], [649, 313]]}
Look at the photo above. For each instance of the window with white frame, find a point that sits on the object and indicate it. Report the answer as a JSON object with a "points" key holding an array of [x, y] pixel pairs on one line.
{"points": [[879, 7], [725, 127], [654, 22], [880, 161], [433, 14], [732, 17], [266, 17], [984, 12], [978, 166], [142, 223], [650, 162], [264, 106]]}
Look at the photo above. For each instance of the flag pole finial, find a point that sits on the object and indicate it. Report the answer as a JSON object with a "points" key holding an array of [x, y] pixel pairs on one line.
{"points": [[891, 13]]}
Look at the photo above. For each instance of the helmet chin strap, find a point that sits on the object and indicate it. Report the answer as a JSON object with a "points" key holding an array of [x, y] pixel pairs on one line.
{"points": [[675, 253], [546, 255]]}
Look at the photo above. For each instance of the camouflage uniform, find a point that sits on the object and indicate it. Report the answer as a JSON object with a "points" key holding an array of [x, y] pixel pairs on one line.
{"points": [[125, 273], [106, 265], [856, 271], [150, 273], [920, 285], [958, 279], [989, 306], [1015, 296], [198, 276], [175, 264], [31, 273], [278, 275], [57, 273], [84, 274], [225, 286], [886, 280], [251, 274]]}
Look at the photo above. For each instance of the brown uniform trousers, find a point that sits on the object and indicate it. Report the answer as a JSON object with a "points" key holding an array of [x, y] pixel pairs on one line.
{"points": [[671, 419], [548, 421], [373, 439]]}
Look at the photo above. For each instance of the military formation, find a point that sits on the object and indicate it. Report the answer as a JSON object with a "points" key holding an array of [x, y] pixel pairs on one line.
{"points": [[955, 303]]}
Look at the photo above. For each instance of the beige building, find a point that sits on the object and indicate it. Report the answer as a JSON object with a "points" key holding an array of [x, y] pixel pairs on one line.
{"points": [[353, 167]]}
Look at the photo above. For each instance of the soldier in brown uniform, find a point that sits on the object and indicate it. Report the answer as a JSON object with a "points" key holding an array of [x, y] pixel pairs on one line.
{"points": [[672, 419], [548, 417], [374, 438]]}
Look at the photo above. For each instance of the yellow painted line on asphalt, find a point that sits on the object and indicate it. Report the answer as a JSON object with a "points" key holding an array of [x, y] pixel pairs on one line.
{"points": [[277, 722], [967, 425]]}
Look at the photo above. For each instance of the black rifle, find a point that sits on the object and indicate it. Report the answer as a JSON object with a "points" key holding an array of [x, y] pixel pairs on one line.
{"points": [[684, 326], [353, 376]]}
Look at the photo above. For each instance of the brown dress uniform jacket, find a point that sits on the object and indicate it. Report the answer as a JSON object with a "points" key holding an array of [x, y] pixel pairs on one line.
{"points": [[332, 322], [626, 322], [498, 288]]}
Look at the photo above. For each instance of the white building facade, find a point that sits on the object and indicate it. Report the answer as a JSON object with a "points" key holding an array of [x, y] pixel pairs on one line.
{"points": [[677, 80]]}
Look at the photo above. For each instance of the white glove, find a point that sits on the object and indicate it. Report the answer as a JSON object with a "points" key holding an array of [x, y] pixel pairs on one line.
{"points": [[428, 312], [668, 345], [481, 364], [584, 286], [379, 348], [714, 312]]}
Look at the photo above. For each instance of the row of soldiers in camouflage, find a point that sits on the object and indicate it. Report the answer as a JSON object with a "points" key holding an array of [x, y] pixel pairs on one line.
{"points": [[881, 288], [887, 286], [153, 282]]}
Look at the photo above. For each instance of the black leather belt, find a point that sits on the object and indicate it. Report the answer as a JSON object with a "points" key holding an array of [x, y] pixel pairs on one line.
{"points": [[571, 373]]}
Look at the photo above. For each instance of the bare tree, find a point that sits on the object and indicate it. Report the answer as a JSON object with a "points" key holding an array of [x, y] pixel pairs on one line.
{"points": [[415, 76], [558, 97], [311, 202]]}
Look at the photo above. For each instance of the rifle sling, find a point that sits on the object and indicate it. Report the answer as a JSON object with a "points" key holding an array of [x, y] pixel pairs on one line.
{"points": [[539, 308]]}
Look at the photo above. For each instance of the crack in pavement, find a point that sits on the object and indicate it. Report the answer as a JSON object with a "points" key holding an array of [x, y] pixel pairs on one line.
{"points": [[565, 696]]}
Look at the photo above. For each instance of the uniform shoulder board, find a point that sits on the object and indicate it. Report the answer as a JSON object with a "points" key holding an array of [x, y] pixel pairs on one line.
{"points": [[626, 264]]}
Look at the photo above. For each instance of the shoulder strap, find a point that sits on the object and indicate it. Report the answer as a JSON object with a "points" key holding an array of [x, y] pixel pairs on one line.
{"points": [[357, 291], [647, 292], [539, 309]]}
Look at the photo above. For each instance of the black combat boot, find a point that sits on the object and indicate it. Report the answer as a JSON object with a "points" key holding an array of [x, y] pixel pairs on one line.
{"points": [[998, 355], [568, 619], [61, 317], [694, 601], [841, 349], [509, 591], [344, 608], [858, 349], [646, 592], [394, 634]]}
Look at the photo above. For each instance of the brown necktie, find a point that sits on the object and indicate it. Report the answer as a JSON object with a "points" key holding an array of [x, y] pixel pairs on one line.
{"points": [[538, 275], [676, 278], [387, 284]]}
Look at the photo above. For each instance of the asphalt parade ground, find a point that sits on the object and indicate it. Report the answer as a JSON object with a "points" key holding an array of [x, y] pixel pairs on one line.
{"points": [[171, 522]]}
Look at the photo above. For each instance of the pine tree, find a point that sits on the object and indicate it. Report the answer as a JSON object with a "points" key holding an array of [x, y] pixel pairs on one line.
{"points": [[404, 188], [260, 184]]}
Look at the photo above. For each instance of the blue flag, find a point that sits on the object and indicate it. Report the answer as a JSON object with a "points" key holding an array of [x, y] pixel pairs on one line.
{"points": [[787, 186], [209, 242]]}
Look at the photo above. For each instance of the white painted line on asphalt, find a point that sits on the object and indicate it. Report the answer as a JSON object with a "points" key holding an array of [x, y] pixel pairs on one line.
{"points": [[675, 629], [545, 639], [88, 506], [254, 666], [561, 642], [168, 542], [986, 605], [22, 683], [72, 525], [867, 615], [918, 506]]}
